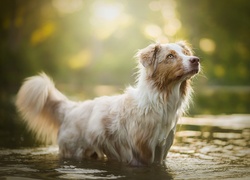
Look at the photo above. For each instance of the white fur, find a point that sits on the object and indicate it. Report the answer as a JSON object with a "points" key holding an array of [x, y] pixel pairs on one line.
{"points": [[136, 127]]}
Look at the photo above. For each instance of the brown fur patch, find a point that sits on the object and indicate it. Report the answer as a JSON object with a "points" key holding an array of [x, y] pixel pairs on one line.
{"points": [[185, 85], [106, 121], [167, 74], [148, 54], [143, 151], [187, 50], [51, 110], [113, 141]]}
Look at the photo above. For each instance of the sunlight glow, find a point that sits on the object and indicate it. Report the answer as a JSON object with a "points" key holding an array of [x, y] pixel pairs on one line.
{"points": [[107, 18], [153, 31], [80, 60], [171, 23], [67, 6], [207, 45], [155, 5], [172, 27], [107, 12]]}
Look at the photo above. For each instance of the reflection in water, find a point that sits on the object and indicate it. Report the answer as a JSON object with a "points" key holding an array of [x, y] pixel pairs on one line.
{"points": [[71, 172], [201, 149]]}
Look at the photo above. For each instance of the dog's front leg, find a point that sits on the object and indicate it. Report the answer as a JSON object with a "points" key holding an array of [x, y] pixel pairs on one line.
{"points": [[169, 143], [158, 154], [161, 150]]}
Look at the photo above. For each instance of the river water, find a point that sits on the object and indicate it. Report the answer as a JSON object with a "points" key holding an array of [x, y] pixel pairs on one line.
{"points": [[205, 147]]}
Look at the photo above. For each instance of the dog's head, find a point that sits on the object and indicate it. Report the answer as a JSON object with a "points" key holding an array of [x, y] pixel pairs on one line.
{"points": [[169, 63]]}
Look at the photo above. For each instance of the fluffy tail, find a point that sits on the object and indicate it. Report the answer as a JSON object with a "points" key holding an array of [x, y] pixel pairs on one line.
{"points": [[39, 101]]}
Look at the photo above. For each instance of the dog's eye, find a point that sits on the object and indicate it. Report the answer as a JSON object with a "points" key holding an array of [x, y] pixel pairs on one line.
{"points": [[170, 56]]}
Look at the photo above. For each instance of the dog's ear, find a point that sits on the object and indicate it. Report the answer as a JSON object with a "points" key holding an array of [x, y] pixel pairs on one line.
{"points": [[186, 47], [148, 55]]}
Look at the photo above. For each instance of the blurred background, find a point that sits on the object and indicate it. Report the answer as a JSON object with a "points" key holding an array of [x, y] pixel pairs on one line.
{"points": [[87, 47]]}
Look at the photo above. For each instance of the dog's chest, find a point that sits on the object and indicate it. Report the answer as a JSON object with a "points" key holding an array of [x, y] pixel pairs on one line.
{"points": [[171, 111]]}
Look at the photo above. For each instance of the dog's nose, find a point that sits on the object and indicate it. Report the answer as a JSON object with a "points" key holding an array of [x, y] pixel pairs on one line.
{"points": [[194, 60]]}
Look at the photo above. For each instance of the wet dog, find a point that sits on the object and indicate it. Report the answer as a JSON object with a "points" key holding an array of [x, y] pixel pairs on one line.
{"points": [[136, 127]]}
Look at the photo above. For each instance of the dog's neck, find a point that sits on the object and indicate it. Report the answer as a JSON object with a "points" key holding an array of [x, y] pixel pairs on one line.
{"points": [[150, 97]]}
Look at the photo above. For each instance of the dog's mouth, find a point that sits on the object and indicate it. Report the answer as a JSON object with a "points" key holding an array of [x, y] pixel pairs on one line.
{"points": [[190, 73], [194, 71], [195, 68]]}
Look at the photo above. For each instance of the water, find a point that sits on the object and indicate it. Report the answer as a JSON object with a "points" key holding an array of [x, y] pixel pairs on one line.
{"points": [[205, 148]]}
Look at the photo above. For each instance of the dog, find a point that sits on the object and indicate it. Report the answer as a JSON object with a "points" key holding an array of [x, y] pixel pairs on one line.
{"points": [[136, 127]]}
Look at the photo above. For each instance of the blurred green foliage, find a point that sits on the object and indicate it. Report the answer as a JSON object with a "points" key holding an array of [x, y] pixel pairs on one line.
{"points": [[221, 29], [88, 48], [227, 24]]}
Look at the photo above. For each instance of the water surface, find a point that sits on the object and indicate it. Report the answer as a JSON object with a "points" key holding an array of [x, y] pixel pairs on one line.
{"points": [[207, 147]]}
